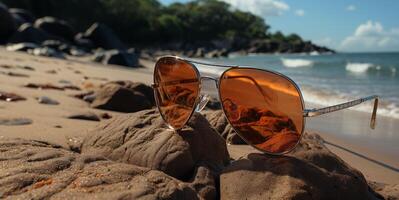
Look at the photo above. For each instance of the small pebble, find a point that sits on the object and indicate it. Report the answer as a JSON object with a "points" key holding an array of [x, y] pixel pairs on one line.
{"points": [[15, 121], [47, 100]]}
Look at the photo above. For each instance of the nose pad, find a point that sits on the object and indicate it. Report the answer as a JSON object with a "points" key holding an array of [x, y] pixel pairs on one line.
{"points": [[204, 98]]}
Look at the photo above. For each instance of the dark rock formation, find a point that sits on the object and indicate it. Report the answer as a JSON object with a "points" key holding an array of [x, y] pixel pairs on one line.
{"points": [[102, 36], [117, 57], [143, 139], [56, 27], [22, 14], [7, 24], [122, 97], [27, 33], [311, 171], [39, 170]]}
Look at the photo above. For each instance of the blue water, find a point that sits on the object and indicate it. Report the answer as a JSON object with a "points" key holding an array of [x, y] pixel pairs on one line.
{"points": [[336, 78]]}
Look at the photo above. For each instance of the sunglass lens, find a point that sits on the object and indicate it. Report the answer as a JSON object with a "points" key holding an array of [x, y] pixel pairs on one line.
{"points": [[265, 108], [176, 90]]}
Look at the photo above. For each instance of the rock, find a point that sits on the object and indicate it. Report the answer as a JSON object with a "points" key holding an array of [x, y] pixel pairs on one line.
{"points": [[117, 57], [139, 87], [21, 47], [143, 139], [43, 86], [47, 100], [39, 170], [25, 15], [85, 116], [7, 24], [54, 44], [116, 97], [386, 190], [26, 33], [102, 36], [218, 120], [15, 121], [56, 27], [105, 116], [15, 74], [6, 96], [311, 171], [84, 43], [47, 52], [18, 20]]}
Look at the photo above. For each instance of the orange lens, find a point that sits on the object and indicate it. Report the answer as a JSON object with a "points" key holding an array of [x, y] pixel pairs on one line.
{"points": [[263, 107], [176, 90]]}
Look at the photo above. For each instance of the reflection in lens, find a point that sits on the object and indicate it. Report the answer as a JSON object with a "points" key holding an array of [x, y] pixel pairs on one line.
{"points": [[265, 108], [176, 90]]}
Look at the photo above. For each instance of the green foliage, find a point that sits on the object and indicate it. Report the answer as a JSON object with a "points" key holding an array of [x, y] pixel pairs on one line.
{"points": [[149, 22]]}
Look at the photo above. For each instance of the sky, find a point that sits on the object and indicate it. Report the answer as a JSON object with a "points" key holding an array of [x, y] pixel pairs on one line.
{"points": [[344, 25]]}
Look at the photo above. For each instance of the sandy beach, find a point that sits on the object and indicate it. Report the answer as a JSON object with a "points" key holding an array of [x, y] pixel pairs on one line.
{"points": [[49, 122]]}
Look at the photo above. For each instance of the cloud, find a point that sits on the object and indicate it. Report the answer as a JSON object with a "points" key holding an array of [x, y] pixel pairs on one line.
{"points": [[262, 8], [300, 13], [371, 36], [351, 8]]}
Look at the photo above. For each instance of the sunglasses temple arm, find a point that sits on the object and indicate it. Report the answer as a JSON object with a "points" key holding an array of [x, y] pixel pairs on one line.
{"points": [[321, 111]]}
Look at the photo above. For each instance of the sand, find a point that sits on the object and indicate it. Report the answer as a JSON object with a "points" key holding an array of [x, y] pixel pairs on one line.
{"points": [[50, 122]]}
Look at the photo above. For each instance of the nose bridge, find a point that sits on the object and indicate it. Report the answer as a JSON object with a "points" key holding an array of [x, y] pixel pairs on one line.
{"points": [[210, 78]]}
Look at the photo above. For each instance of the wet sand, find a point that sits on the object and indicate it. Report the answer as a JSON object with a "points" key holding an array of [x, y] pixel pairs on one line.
{"points": [[374, 153]]}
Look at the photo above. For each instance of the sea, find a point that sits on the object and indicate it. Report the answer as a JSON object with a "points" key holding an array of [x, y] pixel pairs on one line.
{"points": [[328, 79]]}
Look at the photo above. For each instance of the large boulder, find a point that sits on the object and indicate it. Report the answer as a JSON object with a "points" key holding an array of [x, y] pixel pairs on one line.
{"points": [[117, 57], [23, 14], [39, 170], [56, 27], [311, 171], [102, 36], [21, 47], [27, 33], [122, 98], [143, 139], [7, 24]]}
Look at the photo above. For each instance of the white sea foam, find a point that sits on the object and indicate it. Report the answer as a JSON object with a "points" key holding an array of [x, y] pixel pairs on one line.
{"points": [[324, 99], [314, 53], [294, 63], [358, 67]]}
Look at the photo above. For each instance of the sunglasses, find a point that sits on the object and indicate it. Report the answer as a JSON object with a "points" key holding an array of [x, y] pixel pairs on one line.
{"points": [[264, 107]]}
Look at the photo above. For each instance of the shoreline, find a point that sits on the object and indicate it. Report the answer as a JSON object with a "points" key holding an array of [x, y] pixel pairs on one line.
{"points": [[46, 117]]}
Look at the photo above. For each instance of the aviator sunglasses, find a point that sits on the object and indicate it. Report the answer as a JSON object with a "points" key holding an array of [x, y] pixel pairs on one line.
{"points": [[264, 107]]}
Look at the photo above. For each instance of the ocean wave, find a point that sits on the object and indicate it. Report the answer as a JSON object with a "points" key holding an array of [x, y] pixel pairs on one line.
{"points": [[294, 63], [359, 67], [327, 98]]}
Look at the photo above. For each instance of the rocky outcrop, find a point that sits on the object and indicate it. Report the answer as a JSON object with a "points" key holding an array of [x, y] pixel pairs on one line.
{"points": [[7, 24], [123, 96], [311, 171], [56, 27], [27, 33], [143, 139], [24, 15], [117, 57], [39, 170], [102, 36]]}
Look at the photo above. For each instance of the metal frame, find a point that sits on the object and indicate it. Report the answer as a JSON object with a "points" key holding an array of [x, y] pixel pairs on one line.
{"points": [[306, 112]]}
